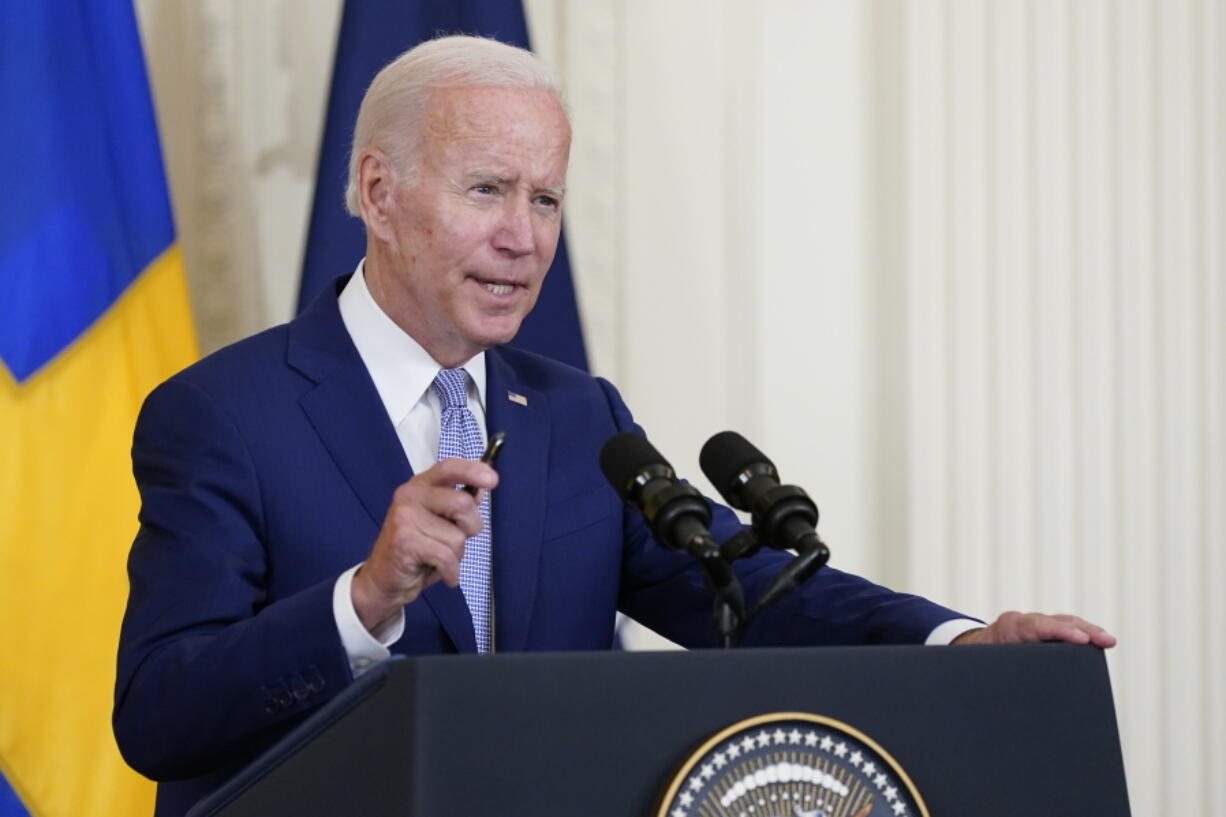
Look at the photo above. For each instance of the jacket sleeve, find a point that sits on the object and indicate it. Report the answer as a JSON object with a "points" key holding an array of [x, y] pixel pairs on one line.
{"points": [[667, 592], [210, 670]]}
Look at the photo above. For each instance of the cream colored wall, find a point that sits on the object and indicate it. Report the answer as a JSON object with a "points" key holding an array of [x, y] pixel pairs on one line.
{"points": [[1066, 343], [717, 219], [240, 88], [956, 266]]}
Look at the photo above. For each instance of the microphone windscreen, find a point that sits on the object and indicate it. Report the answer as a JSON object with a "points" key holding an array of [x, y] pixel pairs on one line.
{"points": [[724, 456], [624, 456]]}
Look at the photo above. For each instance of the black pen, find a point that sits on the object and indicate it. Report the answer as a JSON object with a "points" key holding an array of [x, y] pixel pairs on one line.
{"points": [[490, 454]]}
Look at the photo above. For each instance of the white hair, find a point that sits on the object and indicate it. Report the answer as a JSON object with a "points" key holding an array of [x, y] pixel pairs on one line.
{"points": [[395, 103]]}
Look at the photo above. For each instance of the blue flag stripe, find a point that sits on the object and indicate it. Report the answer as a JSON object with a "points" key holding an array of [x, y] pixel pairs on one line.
{"points": [[372, 34], [87, 209], [10, 806]]}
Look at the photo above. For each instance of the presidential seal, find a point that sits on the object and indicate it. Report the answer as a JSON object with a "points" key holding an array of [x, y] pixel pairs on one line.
{"points": [[791, 764]]}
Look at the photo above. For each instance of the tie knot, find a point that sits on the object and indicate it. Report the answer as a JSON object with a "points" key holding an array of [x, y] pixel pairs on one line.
{"points": [[451, 385]]}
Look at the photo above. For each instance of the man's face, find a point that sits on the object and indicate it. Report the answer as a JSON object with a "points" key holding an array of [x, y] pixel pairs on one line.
{"points": [[474, 229]]}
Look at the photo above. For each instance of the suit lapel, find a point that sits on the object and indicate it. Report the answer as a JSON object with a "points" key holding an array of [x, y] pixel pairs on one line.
{"points": [[345, 410], [518, 503]]}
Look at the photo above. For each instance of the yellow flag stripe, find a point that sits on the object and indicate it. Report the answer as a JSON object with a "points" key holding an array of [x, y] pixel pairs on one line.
{"points": [[67, 518]]}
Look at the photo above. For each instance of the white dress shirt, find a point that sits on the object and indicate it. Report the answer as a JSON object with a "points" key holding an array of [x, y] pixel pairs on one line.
{"points": [[402, 372]]}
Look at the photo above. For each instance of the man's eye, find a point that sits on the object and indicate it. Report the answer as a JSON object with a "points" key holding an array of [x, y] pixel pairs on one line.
{"points": [[548, 201], [485, 189]]}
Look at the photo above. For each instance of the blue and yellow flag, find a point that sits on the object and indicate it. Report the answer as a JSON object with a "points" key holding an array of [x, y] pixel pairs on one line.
{"points": [[93, 314]]}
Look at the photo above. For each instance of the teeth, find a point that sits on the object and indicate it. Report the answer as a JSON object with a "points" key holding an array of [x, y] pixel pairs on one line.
{"points": [[500, 289]]}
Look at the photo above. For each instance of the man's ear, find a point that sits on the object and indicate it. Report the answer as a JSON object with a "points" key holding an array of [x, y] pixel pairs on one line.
{"points": [[376, 183]]}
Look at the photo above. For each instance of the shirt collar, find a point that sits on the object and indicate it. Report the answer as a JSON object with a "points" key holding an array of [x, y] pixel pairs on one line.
{"points": [[401, 369]]}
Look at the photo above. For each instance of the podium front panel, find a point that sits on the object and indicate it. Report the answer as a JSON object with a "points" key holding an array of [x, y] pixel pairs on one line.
{"points": [[993, 730]]}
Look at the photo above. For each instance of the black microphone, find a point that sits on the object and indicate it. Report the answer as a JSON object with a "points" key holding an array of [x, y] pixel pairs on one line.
{"points": [[678, 516], [676, 512], [749, 481], [784, 515]]}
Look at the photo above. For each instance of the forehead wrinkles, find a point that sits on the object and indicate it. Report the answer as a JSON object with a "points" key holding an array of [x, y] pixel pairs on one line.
{"points": [[494, 121]]}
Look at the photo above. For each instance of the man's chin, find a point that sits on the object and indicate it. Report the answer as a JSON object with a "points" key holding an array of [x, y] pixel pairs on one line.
{"points": [[495, 331], [488, 337]]}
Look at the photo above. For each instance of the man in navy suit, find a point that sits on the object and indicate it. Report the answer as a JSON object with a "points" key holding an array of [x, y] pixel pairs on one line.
{"points": [[297, 524]]}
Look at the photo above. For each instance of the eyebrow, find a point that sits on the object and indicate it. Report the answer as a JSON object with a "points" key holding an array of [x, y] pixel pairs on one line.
{"points": [[494, 178]]}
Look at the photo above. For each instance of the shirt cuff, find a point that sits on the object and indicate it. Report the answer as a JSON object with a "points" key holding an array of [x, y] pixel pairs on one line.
{"points": [[947, 632], [363, 648]]}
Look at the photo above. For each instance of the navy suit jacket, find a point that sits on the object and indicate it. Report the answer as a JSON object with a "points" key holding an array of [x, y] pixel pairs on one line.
{"points": [[266, 470]]}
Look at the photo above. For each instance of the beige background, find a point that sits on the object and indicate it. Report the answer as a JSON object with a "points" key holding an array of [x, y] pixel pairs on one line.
{"points": [[957, 266]]}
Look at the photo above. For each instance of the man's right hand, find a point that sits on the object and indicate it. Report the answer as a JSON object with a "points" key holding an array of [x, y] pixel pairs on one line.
{"points": [[422, 539]]}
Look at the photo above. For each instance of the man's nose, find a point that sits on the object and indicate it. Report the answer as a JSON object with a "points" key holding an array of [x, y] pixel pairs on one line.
{"points": [[515, 236]]}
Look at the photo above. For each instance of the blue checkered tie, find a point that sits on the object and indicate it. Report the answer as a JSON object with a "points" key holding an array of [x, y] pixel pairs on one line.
{"points": [[460, 436]]}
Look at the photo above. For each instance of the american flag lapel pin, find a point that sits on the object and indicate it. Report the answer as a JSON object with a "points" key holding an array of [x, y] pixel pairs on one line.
{"points": [[516, 397]]}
